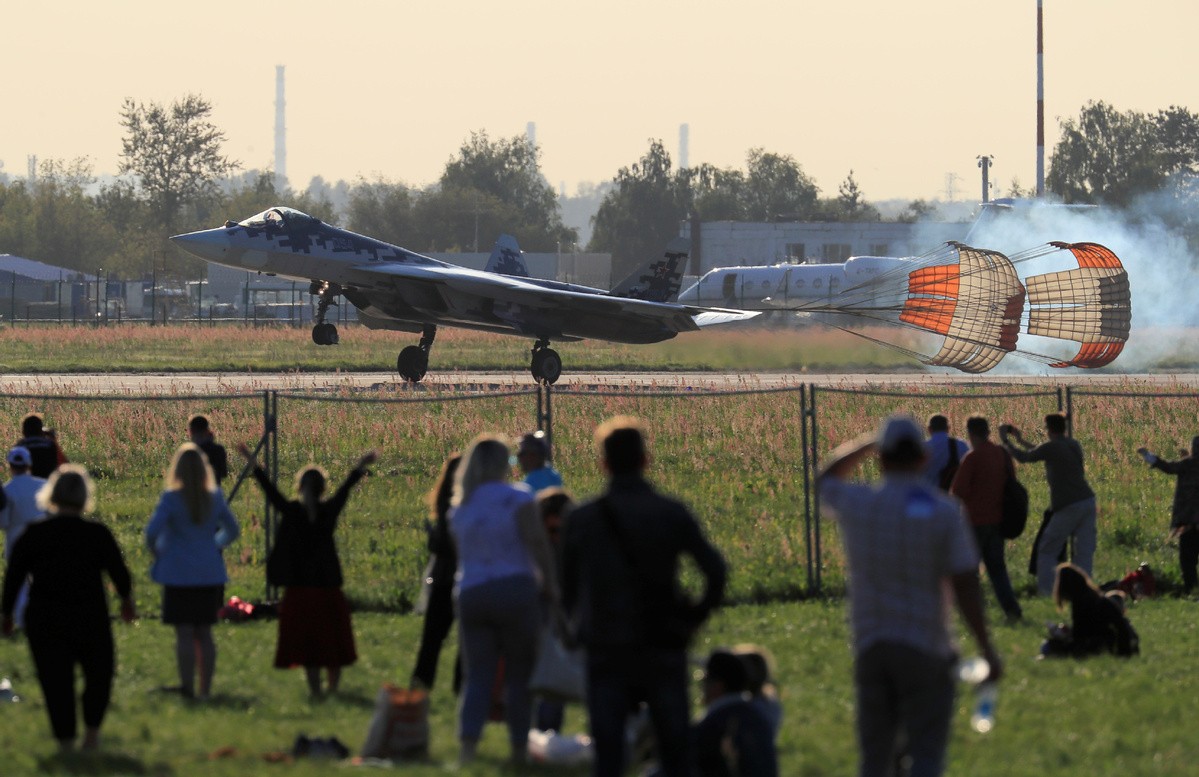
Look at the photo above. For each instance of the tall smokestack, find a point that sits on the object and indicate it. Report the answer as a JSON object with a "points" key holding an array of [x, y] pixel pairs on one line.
{"points": [[531, 133], [684, 151], [1040, 105], [280, 132]]}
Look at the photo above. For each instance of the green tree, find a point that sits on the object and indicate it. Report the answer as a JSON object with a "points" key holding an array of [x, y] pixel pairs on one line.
{"points": [[175, 153], [716, 194], [850, 204], [917, 210], [383, 210], [639, 216], [777, 189], [505, 171], [1109, 156]]}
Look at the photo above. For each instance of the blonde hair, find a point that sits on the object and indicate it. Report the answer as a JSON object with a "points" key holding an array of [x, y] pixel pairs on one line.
{"points": [[486, 460], [68, 490], [438, 498], [310, 487], [191, 475]]}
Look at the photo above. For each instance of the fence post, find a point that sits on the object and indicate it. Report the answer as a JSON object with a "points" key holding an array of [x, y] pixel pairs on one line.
{"points": [[816, 491], [1069, 408], [270, 458], [545, 414], [807, 481]]}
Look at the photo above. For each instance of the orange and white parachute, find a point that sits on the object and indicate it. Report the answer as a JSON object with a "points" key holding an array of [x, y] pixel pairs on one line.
{"points": [[1091, 305], [975, 303]]}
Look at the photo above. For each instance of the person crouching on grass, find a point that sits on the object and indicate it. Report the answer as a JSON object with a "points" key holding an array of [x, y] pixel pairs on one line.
{"points": [[314, 616]]}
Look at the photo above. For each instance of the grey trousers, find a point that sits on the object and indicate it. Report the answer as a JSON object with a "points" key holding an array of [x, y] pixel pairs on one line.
{"points": [[1075, 520], [904, 707]]}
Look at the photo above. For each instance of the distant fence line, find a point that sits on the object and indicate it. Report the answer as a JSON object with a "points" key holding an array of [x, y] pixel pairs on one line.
{"points": [[1064, 398]]}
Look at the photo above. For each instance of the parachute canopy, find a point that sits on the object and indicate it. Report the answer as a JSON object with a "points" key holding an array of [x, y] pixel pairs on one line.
{"points": [[1091, 305]]}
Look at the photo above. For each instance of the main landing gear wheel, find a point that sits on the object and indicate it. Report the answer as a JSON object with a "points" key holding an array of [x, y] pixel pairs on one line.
{"points": [[546, 366], [325, 334], [413, 363]]}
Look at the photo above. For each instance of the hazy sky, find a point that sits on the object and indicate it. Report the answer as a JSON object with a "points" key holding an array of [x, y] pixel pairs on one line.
{"points": [[904, 93]]}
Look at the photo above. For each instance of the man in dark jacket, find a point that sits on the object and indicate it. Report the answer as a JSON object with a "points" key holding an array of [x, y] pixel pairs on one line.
{"points": [[201, 434], [620, 562], [43, 448], [1184, 522]]}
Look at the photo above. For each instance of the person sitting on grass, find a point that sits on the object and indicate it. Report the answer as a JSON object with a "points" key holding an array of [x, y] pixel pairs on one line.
{"points": [[1097, 622]]}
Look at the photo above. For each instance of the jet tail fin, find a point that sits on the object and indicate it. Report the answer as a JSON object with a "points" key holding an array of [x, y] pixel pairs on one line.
{"points": [[659, 280], [505, 258]]}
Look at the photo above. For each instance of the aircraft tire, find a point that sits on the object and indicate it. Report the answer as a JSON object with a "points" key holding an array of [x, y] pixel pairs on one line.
{"points": [[325, 334], [412, 364], [546, 366]]}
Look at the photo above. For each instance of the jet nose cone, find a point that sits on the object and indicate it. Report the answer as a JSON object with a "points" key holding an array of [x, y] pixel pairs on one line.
{"points": [[209, 244]]}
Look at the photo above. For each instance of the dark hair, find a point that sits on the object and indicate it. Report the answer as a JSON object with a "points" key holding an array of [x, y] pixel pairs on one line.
{"points": [[977, 426], [903, 453], [438, 498], [197, 424], [938, 423], [623, 445], [32, 425], [1056, 423], [553, 500], [727, 669]]}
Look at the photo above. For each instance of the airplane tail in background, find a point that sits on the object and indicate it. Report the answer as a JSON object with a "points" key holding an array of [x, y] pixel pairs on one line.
{"points": [[659, 280], [505, 258]]}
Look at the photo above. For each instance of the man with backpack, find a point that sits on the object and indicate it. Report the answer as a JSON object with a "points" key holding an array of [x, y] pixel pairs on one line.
{"points": [[943, 453], [979, 484]]}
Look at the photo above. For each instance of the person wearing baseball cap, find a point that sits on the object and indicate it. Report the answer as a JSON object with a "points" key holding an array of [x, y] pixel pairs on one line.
{"points": [[907, 545], [18, 509]]}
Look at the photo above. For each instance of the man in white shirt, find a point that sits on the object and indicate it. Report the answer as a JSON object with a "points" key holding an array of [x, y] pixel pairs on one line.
{"points": [[19, 511]]}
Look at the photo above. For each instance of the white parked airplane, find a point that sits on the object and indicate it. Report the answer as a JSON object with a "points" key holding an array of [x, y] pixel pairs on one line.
{"points": [[791, 286], [394, 288]]}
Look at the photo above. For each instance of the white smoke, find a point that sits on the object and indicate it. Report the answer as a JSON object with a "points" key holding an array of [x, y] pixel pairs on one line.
{"points": [[1160, 265]]}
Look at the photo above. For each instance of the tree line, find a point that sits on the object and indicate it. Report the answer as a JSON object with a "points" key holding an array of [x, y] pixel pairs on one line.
{"points": [[175, 178]]}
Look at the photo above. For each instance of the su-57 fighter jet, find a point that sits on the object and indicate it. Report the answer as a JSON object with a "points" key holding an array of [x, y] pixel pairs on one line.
{"points": [[394, 288]]}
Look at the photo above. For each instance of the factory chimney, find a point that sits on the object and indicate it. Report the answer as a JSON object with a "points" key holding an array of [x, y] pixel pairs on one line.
{"points": [[684, 151], [280, 132]]}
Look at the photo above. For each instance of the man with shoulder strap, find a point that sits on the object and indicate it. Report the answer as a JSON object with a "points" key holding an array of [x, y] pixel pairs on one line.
{"points": [[943, 453], [620, 589]]}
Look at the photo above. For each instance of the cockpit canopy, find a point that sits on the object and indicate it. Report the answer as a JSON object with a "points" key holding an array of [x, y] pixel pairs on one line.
{"points": [[279, 218]]}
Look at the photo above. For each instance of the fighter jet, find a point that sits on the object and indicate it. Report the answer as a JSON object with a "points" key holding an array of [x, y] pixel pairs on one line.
{"points": [[394, 288]]}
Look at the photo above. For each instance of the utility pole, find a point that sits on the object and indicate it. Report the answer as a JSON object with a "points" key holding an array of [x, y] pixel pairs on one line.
{"points": [[985, 163]]}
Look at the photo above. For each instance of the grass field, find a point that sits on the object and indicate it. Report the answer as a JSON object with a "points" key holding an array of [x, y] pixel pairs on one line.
{"points": [[234, 347], [736, 459]]}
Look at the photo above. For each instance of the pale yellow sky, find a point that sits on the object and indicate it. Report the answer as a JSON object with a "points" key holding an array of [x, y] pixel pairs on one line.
{"points": [[905, 93]]}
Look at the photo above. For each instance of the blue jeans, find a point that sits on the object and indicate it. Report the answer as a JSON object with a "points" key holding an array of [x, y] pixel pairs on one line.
{"points": [[617, 680], [498, 619], [904, 707]]}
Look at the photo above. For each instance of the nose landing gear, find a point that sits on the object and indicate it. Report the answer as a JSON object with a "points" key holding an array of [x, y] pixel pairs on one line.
{"points": [[323, 333]]}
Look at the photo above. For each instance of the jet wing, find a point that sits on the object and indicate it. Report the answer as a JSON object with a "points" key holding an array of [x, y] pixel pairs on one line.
{"points": [[456, 294]]}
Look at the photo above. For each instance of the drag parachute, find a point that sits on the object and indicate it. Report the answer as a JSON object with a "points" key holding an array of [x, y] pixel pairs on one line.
{"points": [[975, 303], [1091, 304]]}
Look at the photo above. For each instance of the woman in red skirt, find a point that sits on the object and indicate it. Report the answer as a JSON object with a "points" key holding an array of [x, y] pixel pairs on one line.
{"points": [[314, 617]]}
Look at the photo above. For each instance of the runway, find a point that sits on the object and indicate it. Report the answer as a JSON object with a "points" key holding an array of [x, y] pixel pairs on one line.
{"points": [[455, 381]]}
